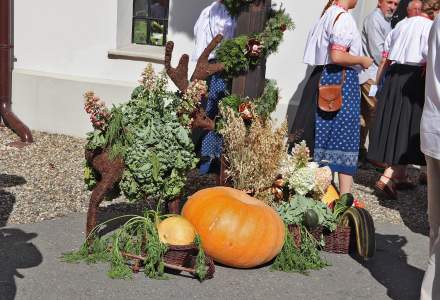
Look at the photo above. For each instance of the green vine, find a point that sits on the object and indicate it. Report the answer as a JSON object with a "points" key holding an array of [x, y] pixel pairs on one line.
{"points": [[235, 53]]}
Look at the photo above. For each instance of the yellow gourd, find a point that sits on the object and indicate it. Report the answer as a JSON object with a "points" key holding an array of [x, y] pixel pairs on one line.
{"points": [[176, 231]]}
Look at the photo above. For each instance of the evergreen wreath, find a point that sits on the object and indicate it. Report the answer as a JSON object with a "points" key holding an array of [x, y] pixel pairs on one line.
{"points": [[245, 52], [235, 6]]}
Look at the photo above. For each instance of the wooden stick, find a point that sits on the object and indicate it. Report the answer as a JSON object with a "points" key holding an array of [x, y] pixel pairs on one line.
{"points": [[165, 264]]}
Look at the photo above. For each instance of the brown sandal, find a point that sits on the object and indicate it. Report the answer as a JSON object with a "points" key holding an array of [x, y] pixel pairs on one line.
{"points": [[385, 188]]}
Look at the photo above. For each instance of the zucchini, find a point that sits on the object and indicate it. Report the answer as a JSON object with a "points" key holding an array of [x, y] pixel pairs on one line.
{"points": [[343, 204], [362, 225], [370, 233]]}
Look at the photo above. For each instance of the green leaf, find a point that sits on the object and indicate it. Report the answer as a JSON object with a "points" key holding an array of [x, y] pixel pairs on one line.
{"points": [[156, 166]]}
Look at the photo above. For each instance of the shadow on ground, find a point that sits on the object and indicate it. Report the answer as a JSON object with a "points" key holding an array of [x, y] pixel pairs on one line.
{"points": [[16, 252], [390, 267], [411, 204], [7, 199]]}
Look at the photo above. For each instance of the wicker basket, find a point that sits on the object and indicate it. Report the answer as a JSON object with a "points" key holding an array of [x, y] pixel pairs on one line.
{"points": [[337, 241], [177, 255], [185, 256]]}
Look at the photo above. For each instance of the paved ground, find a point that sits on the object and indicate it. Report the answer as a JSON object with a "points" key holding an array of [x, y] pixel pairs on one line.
{"points": [[30, 269]]}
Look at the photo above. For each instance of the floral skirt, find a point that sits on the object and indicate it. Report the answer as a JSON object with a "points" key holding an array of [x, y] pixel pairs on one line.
{"points": [[212, 142], [337, 134]]}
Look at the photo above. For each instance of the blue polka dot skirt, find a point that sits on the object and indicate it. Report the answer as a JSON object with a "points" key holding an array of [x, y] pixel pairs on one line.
{"points": [[337, 134], [212, 143]]}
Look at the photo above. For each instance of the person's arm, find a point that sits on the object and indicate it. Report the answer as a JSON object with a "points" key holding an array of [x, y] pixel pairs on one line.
{"points": [[384, 64], [346, 59], [375, 39], [340, 41]]}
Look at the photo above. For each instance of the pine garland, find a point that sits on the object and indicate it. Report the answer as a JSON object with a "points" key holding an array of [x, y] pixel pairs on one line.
{"points": [[236, 6], [234, 53]]}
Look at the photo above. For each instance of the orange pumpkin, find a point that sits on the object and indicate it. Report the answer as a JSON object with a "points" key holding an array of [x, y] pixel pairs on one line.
{"points": [[236, 229]]}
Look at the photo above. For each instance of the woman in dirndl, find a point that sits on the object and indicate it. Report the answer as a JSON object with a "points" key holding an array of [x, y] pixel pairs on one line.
{"points": [[395, 138], [214, 19], [334, 45]]}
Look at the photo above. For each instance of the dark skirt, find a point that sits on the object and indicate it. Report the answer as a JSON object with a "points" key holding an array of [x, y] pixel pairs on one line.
{"points": [[395, 138], [303, 127]]}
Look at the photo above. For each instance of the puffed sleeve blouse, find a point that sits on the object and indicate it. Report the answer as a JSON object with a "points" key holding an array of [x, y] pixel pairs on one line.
{"points": [[327, 35], [213, 20], [408, 43]]}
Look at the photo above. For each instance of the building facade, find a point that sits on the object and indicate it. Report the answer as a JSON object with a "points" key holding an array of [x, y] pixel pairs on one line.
{"points": [[64, 48]]}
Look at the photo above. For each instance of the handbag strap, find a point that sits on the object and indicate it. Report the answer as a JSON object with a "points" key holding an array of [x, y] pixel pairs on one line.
{"points": [[340, 84], [343, 69]]}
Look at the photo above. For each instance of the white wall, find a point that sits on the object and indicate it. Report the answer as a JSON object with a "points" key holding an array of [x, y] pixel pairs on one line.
{"points": [[70, 37], [61, 48]]}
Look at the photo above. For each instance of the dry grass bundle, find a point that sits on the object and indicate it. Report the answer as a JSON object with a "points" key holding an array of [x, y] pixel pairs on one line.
{"points": [[254, 153]]}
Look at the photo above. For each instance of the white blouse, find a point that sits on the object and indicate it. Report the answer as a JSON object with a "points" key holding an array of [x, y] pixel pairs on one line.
{"points": [[430, 125], [213, 20], [324, 36], [408, 42]]}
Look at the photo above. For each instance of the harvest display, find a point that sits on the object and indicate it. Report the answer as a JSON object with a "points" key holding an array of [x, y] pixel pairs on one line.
{"points": [[277, 206]]}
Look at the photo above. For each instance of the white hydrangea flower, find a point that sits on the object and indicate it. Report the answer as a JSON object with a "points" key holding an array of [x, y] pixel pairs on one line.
{"points": [[302, 180]]}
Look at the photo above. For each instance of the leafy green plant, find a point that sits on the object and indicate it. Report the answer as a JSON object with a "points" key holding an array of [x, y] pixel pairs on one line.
{"points": [[299, 259], [292, 212], [148, 135], [344, 203]]}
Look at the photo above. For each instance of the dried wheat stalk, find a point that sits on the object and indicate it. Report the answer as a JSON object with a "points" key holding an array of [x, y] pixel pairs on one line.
{"points": [[253, 154]]}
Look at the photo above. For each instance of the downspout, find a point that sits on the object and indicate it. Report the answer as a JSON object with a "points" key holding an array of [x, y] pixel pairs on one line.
{"points": [[6, 65]]}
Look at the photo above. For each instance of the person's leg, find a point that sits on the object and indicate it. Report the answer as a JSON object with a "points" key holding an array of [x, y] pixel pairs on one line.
{"points": [[423, 178], [385, 183], [431, 281], [345, 183], [395, 171], [368, 111]]}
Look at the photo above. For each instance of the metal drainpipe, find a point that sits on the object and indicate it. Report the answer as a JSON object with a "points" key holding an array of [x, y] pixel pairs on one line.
{"points": [[6, 65]]}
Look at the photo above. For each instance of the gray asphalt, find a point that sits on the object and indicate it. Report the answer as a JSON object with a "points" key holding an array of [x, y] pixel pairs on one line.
{"points": [[30, 269]]}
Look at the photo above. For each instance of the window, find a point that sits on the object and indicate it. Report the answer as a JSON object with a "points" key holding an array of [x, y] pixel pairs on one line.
{"points": [[150, 22]]}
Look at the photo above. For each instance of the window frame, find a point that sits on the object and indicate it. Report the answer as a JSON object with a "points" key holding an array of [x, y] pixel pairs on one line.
{"points": [[124, 48], [149, 19]]}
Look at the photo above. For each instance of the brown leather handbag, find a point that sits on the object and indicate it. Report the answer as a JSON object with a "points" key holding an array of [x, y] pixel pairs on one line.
{"points": [[330, 96]]}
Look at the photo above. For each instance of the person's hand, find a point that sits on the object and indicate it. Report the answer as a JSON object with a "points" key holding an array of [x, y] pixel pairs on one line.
{"points": [[366, 62]]}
